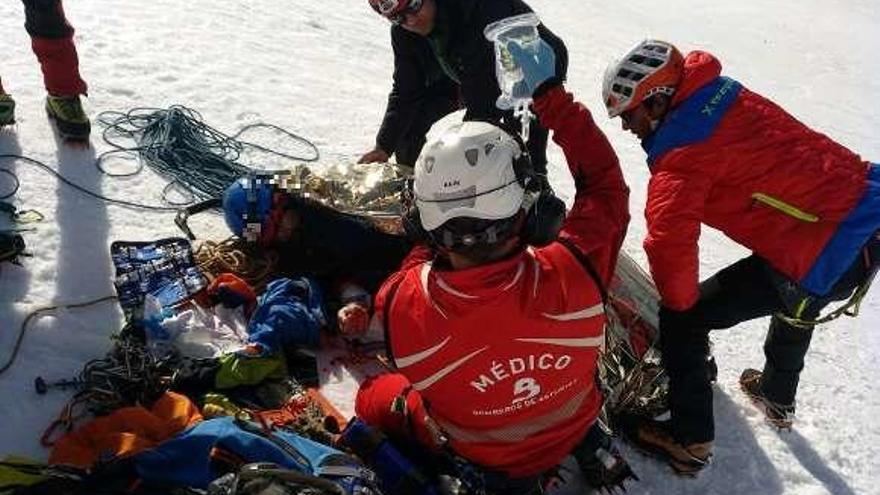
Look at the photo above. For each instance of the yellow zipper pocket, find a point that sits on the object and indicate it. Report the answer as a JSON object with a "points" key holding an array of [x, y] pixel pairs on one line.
{"points": [[785, 208]]}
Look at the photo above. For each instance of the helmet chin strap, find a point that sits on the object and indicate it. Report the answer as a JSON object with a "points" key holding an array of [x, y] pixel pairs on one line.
{"points": [[530, 197]]}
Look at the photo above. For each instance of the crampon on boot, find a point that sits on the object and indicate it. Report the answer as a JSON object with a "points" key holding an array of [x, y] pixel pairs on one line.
{"points": [[606, 471], [7, 109], [779, 415], [70, 119]]}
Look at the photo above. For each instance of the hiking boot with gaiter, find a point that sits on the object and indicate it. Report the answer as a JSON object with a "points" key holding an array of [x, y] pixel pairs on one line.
{"points": [[70, 119], [655, 438], [779, 415]]}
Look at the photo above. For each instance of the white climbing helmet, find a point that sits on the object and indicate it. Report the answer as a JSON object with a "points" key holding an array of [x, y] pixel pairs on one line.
{"points": [[467, 170]]}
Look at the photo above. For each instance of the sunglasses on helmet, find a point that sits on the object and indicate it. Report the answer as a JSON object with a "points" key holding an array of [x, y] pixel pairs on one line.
{"points": [[392, 11]]}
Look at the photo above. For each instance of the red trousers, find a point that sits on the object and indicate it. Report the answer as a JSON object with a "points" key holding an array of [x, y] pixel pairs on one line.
{"points": [[52, 42]]}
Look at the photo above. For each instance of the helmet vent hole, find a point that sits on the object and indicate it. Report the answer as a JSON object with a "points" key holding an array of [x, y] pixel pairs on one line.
{"points": [[621, 89], [488, 148], [631, 75], [472, 155]]}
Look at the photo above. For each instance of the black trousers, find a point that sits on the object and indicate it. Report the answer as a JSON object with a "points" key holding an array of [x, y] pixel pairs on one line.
{"points": [[748, 289], [433, 108], [331, 246], [45, 19]]}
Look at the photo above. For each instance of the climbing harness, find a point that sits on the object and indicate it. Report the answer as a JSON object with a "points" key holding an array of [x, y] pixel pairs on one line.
{"points": [[852, 305]]}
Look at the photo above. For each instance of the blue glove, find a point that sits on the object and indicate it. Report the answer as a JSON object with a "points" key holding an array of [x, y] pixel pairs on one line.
{"points": [[538, 65]]}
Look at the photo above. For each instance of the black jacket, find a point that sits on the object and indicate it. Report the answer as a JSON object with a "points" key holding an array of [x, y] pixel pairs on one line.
{"points": [[454, 61]]}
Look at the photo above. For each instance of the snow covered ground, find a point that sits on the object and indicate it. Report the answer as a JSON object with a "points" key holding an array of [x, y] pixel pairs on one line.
{"points": [[322, 69]]}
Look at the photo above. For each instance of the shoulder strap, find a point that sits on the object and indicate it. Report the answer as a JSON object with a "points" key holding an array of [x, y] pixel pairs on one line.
{"points": [[386, 312], [588, 267]]}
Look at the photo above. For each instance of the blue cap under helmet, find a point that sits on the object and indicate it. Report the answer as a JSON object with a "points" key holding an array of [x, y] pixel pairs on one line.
{"points": [[247, 200]]}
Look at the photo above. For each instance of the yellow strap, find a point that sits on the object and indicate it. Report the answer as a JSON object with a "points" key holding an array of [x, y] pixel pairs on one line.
{"points": [[802, 307], [784, 207], [18, 471]]}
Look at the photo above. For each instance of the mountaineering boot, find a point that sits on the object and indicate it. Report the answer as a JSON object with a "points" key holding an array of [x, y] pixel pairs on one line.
{"points": [[779, 415], [7, 109], [655, 438], [70, 119]]}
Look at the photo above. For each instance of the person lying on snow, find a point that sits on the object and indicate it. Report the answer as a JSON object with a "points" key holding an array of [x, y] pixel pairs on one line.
{"points": [[443, 62], [807, 207], [346, 254], [496, 330]]}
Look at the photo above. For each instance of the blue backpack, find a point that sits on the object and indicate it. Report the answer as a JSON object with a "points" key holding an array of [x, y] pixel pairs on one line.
{"points": [[213, 448]]}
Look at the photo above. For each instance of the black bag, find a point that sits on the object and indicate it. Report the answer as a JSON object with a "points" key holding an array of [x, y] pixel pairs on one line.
{"points": [[11, 247]]}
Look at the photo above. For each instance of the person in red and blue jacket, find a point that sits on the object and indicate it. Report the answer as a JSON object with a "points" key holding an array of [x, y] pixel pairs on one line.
{"points": [[52, 43], [808, 208], [495, 332]]}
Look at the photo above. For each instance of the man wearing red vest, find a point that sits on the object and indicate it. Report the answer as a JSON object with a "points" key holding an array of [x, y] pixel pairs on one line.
{"points": [[807, 207], [496, 330], [52, 42]]}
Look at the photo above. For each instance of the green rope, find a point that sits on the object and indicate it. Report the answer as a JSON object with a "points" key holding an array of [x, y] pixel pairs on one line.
{"points": [[195, 158], [177, 144]]}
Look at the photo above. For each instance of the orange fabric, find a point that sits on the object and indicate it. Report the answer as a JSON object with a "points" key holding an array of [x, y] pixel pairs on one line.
{"points": [[235, 284], [326, 406], [667, 75], [125, 432]]}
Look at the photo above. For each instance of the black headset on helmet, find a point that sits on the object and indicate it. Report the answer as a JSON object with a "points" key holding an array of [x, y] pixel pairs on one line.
{"points": [[544, 216]]}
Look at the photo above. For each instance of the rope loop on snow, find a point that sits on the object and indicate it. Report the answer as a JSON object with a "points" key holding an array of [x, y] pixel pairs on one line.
{"points": [[39, 311]]}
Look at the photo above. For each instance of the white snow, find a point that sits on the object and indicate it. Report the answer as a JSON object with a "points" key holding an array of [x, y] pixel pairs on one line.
{"points": [[322, 69]]}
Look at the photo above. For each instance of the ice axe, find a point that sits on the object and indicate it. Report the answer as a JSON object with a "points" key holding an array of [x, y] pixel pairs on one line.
{"points": [[183, 214], [42, 386]]}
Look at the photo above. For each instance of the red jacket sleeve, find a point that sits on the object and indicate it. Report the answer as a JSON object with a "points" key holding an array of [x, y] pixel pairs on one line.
{"points": [[673, 213], [596, 223]]}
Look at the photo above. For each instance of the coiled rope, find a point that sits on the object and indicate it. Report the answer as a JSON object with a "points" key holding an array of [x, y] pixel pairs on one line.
{"points": [[197, 160], [176, 143], [128, 375], [233, 255]]}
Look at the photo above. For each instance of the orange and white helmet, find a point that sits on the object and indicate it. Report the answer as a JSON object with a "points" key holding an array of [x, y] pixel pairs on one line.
{"points": [[651, 67]]}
